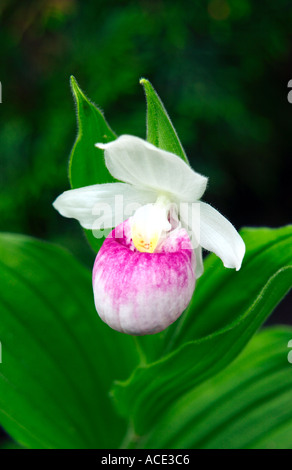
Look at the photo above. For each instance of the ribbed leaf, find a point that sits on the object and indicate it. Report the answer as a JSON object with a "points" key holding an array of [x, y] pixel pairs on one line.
{"points": [[248, 405], [232, 309], [58, 358], [160, 130], [86, 164]]}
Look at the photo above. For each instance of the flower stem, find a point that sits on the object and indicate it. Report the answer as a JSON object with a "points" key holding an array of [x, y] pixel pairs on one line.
{"points": [[142, 356]]}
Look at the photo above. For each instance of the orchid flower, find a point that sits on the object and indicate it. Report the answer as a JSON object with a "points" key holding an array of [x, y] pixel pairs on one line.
{"points": [[144, 274]]}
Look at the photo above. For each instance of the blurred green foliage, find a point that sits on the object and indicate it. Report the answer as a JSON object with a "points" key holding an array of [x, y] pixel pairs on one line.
{"points": [[220, 66]]}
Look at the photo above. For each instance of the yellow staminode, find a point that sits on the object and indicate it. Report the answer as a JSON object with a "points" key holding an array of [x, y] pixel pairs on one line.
{"points": [[142, 242], [149, 224]]}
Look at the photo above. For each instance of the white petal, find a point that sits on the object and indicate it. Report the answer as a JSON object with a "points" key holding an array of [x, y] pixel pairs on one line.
{"points": [[189, 214], [102, 205], [140, 163], [217, 234], [199, 262], [214, 233]]}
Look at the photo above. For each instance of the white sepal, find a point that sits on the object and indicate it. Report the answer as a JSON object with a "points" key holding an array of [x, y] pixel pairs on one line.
{"points": [[114, 202], [140, 163]]}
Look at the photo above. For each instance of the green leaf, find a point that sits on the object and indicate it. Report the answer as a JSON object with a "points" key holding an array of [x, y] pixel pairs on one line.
{"points": [[86, 166], [232, 306], [160, 130], [248, 405], [86, 161], [58, 358]]}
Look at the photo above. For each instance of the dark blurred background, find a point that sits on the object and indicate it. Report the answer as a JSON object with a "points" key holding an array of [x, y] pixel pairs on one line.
{"points": [[221, 67]]}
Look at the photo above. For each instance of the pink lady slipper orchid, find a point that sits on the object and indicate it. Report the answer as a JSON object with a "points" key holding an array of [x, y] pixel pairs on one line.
{"points": [[145, 272]]}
